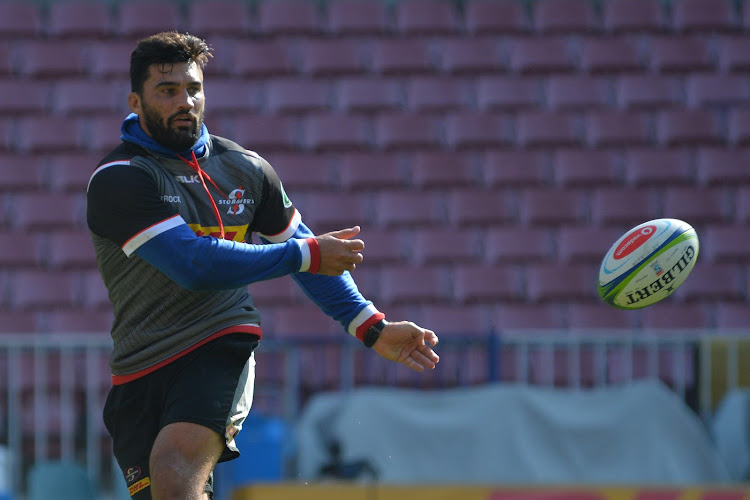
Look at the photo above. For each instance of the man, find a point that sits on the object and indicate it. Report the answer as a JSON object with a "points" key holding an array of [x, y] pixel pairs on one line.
{"points": [[171, 211]]}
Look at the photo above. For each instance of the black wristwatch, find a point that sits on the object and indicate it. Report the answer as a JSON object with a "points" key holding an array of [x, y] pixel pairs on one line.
{"points": [[373, 333]]}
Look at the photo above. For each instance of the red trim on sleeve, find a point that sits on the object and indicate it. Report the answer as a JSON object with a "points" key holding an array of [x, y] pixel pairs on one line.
{"points": [[362, 329], [312, 243]]}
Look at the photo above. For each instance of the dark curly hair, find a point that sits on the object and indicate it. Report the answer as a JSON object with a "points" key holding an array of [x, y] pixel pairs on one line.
{"points": [[169, 47]]}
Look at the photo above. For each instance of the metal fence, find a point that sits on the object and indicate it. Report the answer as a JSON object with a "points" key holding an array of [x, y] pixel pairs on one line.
{"points": [[53, 387]]}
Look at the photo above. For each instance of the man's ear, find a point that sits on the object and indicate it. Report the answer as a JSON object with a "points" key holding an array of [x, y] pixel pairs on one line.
{"points": [[134, 101]]}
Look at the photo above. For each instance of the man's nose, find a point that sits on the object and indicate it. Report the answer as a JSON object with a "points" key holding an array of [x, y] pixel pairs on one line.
{"points": [[185, 100]]}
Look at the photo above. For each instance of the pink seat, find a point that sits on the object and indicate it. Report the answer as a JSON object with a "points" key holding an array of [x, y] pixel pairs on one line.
{"points": [[564, 16], [77, 97], [435, 94], [515, 168], [287, 18], [385, 246], [440, 245], [451, 170], [585, 167], [546, 129], [416, 285], [577, 92], [679, 54], [20, 19], [647, 91], [734, 53], [29, 97], [261, 58], [357, 18], [477, 283], [297, 96], [264, 133], [674, 316], [19, 250], [609, 55], [336, 132], [633, 16], [6, 62], [704, 16], [46, 210], [731, 315], [70, 249], [626, 206], [717, 90], [713, 282], [555, 282], [585, 244], [110, 58], [742, 206], [508, 93], [492, 17], [407, 208], [51, 59], [47, 134], [143, 18], [368, 95], [739, 126], [395, 131], [78, 18], [476, 56], [277, 292], [224, 18], [21, 173], [364, 171], [617, 128], [525, 316], [726, 243], [230, 96], [696, 205], [599, 316], [94, 293], [16, 322], [721, 166], [657, 167], [545, 54], [479, 207], [302, 172], [331, 57], [325, 212], [477, 130], [424, 17], [400, 56], [79, 321], [104, 132], [551, 206], [34, 289], [514, 245]]}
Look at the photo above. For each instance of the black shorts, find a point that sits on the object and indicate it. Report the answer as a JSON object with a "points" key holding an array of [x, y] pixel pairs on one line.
{"points": [[211, 386]]}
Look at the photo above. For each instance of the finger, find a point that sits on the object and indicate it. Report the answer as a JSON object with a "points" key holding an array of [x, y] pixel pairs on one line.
{"points": [[430, 337], [413, 365], [422, 360], [429, 353], [345, 234]]}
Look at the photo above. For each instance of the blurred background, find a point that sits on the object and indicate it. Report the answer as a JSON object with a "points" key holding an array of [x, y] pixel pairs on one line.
{"points": [[492, 151]]}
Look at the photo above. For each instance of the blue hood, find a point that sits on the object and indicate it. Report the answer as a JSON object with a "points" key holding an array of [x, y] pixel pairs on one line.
{"points": [[132, 132]]}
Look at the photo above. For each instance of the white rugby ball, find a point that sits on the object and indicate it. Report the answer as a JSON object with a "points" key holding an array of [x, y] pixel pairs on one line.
{"points": [[648, 263]]}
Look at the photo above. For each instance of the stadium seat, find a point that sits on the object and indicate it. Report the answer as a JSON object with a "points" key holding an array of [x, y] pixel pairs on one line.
{"points": [[335, 132], [609, 55], [15, 322], [713, 282], [717, 90], [451, 170], [483, 207], [77, 321], [79, 19], [386, 247], [634, 16], [472, 130], [585, 167], [276, 292], [29, 97], [401, 130], [6, 61], [19, 250], [103, 132], [348, 18], [546, 129], [723, 166], [585, 244], [20, 20], [625, 206], [444, 245], [696, 204], [266, 133], [508, 93], [331, 58], [143, 18], [515, 168], [684, 127], [94, 293], [731, 316], [261, 58], [326, 211], [657, 167], [477, 283], [47, 134], [733, 54], [673, 54], [435, 94], [617, 128], [400, 56], [415, 285], [647, 91], [368, 95], [223, 17], [551, 206], [84, 96], [35, 289], [739, 126], [742, 205], [303, 172], [564, 16], [40, 59], [407, 208], [508, 317], [491, 17], [566, 92], [69, 249], [554, 282], [670, 315], [470, 56], [365, 171], [704, 16], [297, 96], [46, 210], [535, 55], [21, 173], [514, 245], [288, 18], [110, 58], [228, 96], [599, 317], [426, 18]]}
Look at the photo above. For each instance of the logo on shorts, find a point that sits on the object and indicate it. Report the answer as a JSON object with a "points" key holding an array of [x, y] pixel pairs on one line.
{"points": [[132, 474], [139, 486]]}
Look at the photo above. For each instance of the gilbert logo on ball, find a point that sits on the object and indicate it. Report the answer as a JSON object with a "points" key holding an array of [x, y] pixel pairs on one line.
{"points": [[648, 263]]}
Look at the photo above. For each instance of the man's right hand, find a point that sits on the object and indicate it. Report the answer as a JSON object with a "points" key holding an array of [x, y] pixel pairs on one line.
{"points": [[339, 252]]}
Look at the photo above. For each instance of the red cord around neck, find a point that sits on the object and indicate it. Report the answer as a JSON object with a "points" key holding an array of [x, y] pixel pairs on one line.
{"points": [[193, 162]]}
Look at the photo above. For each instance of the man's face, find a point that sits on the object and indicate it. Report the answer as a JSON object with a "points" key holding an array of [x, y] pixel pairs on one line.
{"points": [[172, 104]]}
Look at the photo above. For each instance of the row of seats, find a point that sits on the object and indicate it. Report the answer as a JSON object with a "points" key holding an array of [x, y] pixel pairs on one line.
{"points": [[345, 17]]}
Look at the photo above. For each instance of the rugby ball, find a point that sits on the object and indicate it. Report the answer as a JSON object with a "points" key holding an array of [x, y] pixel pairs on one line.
{"points": [[648, 263]]}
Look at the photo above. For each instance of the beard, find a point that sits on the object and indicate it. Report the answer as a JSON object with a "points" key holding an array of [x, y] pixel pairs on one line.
{"points": [[176, 139]]}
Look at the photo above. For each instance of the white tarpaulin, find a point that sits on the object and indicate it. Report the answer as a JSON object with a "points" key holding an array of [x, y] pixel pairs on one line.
{"points": [[641, 433]]}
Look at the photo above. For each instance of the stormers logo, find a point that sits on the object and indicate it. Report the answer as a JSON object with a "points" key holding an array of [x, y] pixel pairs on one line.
{"points": [[236, 201], [284, 197]]}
